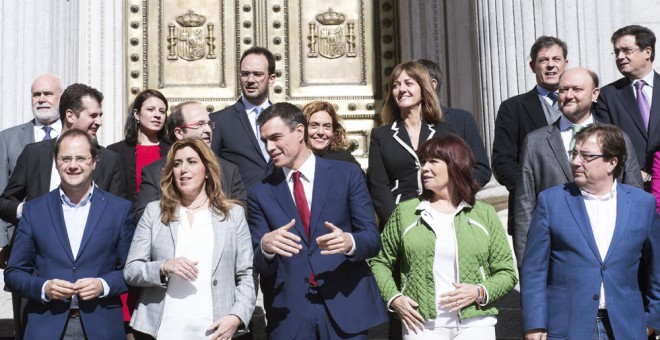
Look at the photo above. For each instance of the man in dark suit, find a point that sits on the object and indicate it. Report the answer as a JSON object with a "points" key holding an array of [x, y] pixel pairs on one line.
{"points": [[70, 250], [34, 175], [524, 113], [313, 228], [464, 124], [188, 119], [585, 245], [45, 93], [628, 102], [546, 152], [235, 136]]}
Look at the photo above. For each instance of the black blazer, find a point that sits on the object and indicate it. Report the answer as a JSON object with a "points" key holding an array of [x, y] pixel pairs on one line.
{"points": [[234, 140], [617, 105], [466, 128], [394, 169], [31, 176], [127, 155], [150, 189], [516, 118]]}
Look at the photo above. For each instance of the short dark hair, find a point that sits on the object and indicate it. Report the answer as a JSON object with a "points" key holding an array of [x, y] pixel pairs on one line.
{"points": [[611, 143], [131, 127], [545, 41], [261, 51], [644, 37], [72, 96], [290, 114], [435, 72], [175, 120], [71, 133], [458, 156]]}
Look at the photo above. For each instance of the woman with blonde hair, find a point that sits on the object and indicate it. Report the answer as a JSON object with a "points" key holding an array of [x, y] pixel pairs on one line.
{"points": [[192, 253], [326, 135]]}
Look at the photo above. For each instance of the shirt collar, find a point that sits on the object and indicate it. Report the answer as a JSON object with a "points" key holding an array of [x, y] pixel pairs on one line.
{"points": [[426, 206], [606, 197], [306, 169], [543, 91], [648, 79], [565, 124], [66, 201], [249, 107]]}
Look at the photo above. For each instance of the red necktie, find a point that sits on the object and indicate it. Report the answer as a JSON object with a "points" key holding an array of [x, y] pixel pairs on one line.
{"points": [[303, 211]]}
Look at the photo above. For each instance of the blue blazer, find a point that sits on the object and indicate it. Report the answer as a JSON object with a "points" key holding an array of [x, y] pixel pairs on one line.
{"points": [[346, 284], [562, 269], [42, 248]]}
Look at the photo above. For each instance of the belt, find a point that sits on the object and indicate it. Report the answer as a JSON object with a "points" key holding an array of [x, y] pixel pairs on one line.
{"points": [[74, 313], [602, 314]]}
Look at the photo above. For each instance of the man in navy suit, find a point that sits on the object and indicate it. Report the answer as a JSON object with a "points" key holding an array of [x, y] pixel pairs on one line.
{"points": [[620, 104], [235, 135], [313, 227], [70, 250], [585, 244]]}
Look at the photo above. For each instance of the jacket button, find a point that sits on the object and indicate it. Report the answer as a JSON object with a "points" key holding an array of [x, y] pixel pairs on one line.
{"points": [[417, 167], [419, 191], [596, 297], [75, 270], [604, 268], [310, 253], [306, 280], [215, 282]]}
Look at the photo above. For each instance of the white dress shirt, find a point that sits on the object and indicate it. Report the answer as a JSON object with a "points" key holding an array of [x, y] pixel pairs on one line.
{"points": [[647, 89], [566, 132], [39, 133]]}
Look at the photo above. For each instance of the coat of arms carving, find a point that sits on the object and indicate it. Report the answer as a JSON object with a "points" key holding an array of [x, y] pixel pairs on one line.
{"points": [[193, 38], [331, 39]]}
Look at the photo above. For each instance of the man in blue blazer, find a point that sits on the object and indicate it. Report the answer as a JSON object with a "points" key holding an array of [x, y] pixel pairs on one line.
{"points": [[584, 247], [313, 228], [70, 250]]}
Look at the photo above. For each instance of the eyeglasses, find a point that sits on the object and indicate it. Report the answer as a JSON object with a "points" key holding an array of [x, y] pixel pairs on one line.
{"points": [[586, 157], [69, 159], [626, 51], [258, 76], [198, 125]]}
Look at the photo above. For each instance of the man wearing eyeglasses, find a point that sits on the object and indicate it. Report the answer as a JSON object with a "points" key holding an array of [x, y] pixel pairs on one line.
{"points": [[587, 241], [236, 134], [188, 119], [70, 250], [546, 152], [628, 102]]}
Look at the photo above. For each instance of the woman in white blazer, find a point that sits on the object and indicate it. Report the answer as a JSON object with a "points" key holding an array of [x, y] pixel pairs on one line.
{"points": [[192, 254]]}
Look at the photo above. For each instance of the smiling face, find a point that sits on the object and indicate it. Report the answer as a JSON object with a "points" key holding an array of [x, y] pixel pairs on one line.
{"points": [[75, 164], [285, 147], [638, 63], [320, 131], [576, 94], [255, 79], [189, 172], [46, 91], [406, 92], [548, 66], [151, 116], [89, 119]]}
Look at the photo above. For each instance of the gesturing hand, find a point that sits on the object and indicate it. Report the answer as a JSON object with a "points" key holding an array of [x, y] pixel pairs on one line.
{"points": [[336, 242], [406, 308], [281, 241], [57, 289], [182, 267]]}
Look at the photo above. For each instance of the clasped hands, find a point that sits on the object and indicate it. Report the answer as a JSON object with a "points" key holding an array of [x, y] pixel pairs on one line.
{"points": [[86, 289], [285, 243]]}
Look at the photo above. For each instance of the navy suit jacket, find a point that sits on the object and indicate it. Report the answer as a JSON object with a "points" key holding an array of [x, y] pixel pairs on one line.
{"points": [[234, 140], [42, 248], [562, 269], [617, 105], [346, 283]]}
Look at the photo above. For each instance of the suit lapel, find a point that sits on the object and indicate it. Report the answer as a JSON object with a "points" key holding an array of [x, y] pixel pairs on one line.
{"points": [[320, 193], [98, 201], [627, 97], [623, 205], [57, 218], [242, 117], [219, 234], [46, 165], [283, 196], [575, 203], [535, 110], [174, 233], [556, 144], [26, 136], [401, 136]]}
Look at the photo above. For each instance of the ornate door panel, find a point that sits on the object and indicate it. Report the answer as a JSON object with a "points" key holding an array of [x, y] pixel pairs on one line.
{"points": [[340, 51]]}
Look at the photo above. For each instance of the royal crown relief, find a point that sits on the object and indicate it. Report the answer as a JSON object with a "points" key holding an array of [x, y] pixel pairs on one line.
{"points": [[192, 40], [329, 39]]}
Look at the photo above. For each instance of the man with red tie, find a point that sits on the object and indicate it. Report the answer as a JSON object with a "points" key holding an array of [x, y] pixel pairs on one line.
{"points": [[313, 227]]}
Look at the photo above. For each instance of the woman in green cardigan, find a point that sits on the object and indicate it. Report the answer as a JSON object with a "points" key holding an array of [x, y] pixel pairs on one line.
{"points": [[451, 250]]}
